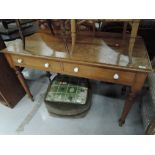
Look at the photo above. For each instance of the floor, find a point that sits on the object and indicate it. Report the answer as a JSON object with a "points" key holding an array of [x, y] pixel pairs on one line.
{"points": [[107, 101]]}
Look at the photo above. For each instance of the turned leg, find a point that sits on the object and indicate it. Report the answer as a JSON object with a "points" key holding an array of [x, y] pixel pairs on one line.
{"points": [[134, 31], [73, 33], [63, 33], [128, 104], [135, 89], [20, 32], [50, 26], [5, 25], [94, 28], [23, 82], [124, 29]]}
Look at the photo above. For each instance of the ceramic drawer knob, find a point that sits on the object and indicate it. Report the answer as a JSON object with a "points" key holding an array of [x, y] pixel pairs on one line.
{"points": [[116, 76], [46, 65], [19, 61], [76, 69]]}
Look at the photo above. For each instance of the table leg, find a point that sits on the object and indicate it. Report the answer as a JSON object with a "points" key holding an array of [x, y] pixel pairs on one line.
{"points": [[23, 82], [135, 89], [128, 104]]}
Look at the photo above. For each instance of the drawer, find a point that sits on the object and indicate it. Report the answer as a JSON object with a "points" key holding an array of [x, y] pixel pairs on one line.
{"points": [[99, 73], [37, 63]]}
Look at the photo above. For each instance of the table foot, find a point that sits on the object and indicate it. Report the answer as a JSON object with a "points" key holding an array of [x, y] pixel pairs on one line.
{"points": [[32, 99], [121, 122], [128, 104]]}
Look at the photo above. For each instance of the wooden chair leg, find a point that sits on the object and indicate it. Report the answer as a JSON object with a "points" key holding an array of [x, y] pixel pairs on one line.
{"points": [[5, 25], [63, 33], [73, 33], [20, 32], [124, 29], [23, 82], [94, 28], [134, 31], [50, 26]]}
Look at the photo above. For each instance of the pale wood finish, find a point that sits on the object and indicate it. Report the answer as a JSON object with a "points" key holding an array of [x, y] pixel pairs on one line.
{"points": [[73, 33], [88, 57], [98, 73], [97, 51], [134, 31], [89, 71], [134, 24], [37, 63]]}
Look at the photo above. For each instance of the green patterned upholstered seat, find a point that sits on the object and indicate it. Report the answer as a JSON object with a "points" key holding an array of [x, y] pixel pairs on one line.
{"points": [[67, 95]]}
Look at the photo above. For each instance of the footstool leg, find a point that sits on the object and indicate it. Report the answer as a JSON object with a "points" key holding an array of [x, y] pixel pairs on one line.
{"points": [[48, 75]]}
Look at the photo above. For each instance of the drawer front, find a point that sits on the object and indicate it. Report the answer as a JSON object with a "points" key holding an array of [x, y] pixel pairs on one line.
{"points": [[37, 63], [98, 73]]}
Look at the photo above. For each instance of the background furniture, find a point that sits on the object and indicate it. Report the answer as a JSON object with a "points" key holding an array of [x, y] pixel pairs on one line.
{"points": [[11, 29], [148, 106], [11, 90], [20, 24]]}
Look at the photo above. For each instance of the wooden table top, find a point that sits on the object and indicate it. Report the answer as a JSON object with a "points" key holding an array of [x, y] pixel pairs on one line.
{"points": [[103, 49]]}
